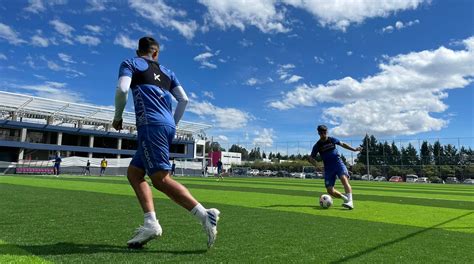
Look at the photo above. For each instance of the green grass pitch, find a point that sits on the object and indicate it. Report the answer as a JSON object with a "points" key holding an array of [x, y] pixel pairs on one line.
{"points": [[78, 219]]}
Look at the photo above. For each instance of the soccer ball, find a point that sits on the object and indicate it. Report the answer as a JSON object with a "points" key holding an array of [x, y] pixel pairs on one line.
{"points": [[325, 201]]}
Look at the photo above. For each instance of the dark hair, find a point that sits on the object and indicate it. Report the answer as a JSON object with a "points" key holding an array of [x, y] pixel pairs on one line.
{"points": [[146, 44], [322, 128]]}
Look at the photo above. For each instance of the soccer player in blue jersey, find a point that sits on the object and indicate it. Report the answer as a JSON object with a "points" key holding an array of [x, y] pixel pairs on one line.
{"points": [[333, 165], [57, 165], [153, 87]]}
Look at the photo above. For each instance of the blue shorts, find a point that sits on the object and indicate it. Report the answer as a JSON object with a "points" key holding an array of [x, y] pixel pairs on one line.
{"points": [[153, 152], [331, 173]]}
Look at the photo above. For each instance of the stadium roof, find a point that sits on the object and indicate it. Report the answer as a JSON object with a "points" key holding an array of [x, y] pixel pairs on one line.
{"points": [[29, 106]]}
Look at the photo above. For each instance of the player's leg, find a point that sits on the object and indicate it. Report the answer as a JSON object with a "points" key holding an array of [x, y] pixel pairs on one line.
{"points": [[156, 146], [342, 174], [329, 182], [163, 182], [347, 187], [151, 227], [136, 178]]}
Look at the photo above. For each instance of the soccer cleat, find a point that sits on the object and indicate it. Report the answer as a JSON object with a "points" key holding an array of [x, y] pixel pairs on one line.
{"points": [[144, 234], [349, 205], [210, 225]]}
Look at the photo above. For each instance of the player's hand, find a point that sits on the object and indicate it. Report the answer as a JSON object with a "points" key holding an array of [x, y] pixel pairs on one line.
{"points": [[117, 124]]}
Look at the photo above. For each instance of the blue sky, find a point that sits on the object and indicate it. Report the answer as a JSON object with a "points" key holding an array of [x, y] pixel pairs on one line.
{"points": [[264, 71]]}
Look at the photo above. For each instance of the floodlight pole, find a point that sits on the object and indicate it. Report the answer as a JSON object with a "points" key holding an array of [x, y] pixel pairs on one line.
{"points": [[367, 149], [212, 155]]}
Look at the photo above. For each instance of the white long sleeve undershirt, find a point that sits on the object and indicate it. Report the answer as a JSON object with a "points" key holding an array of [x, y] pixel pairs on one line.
{"points": [[180, 95], [121, 94]]}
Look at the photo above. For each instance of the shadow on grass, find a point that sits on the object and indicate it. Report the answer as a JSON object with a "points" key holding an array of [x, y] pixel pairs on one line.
{"points": [[65, 248], [391, 242], [315, 207]]}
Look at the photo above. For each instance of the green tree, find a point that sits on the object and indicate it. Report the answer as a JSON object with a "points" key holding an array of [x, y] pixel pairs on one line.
{"points": [[215, 146], [255, 154], [241, 150], [438, 153], [409, 156], [426, 153], [450, 156]]}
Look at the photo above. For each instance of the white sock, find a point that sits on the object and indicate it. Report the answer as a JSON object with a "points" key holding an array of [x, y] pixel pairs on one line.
{"points": [[200, 212], [150, 219], [349, 196], [344, 198]]}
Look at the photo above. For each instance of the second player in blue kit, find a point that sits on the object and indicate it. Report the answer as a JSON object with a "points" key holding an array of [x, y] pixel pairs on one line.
{"points": [[333, 165]]}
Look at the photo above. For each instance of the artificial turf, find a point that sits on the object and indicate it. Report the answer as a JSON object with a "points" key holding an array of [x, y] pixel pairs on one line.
{"points": [[74, 219]]}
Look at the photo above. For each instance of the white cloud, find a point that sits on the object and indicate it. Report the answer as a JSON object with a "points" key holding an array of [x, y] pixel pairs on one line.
{"points": [[66, 58], [318, 60], [94, 28], [245, 43], [341, 14], [349, 53], [288, 66], [209, 94], [96, 5], [226, 118], [398, 99], [88, 40], [222, 138], [399, 25], [53, 90], [41, 77], [269, 15], [29, 61], [240, 13], [203, 58], [126, 42], [206, 64], [293, 79], [163, 15], [193, 95], [39, 41], [252, 82], [270, 61], [63, 29], [10, 35], [3, 57], [264, 138], [52, 65], [284, 73], [388, 29], [36, 6]]}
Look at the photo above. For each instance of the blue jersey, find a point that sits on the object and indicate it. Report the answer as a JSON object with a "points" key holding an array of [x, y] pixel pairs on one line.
{"points": [[151, 86], [328, 151]]}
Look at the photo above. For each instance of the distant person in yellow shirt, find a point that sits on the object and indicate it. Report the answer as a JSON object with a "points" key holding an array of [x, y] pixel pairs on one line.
{"points": [[103, 166]]}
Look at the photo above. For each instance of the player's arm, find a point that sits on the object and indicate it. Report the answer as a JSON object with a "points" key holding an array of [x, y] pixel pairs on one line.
{"points": [[349, 147], [313, 155], [180, 95], [121, 93]]}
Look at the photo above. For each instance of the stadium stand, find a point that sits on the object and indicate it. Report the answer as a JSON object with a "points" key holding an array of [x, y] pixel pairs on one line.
{"points": [[33, 130]]}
